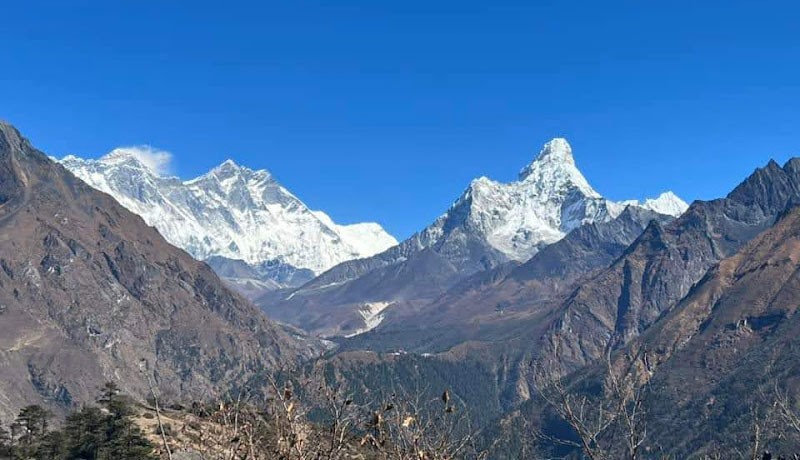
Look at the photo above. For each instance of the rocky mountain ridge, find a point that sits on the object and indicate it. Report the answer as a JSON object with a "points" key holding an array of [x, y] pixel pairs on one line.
{"points": [[235, 213], [490, 224], [90, 293]]}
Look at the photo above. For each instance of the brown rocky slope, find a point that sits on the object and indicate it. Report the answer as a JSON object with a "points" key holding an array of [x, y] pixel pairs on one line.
{"points": [[722, 353], [89, 293]]}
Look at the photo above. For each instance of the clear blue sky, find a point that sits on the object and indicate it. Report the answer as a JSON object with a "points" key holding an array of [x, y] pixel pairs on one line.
{"points": [[385, 110]]}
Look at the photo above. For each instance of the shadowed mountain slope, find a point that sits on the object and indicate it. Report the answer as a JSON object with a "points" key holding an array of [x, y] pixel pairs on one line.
{"points": [[489, 225], [491, 304], [658, 269], [719, 360], [89, 293], [726, 348]]}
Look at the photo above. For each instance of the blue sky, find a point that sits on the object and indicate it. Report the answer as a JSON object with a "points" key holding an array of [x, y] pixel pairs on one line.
{"points": [[385, 110]]}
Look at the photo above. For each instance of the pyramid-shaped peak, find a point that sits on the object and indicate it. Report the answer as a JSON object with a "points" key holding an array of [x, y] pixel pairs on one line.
{"points": [[557, 149], [119, 155], [555, 165], [230, 168], [554, 155]]}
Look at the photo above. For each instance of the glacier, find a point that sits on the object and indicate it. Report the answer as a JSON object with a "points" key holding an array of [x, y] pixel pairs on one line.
{"points": [[231, 212]]}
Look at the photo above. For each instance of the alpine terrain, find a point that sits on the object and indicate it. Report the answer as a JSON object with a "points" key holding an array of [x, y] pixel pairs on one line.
{"points": [[702, 314], [489, 225], [89, 293], [400, 255], [672, 324], [248, 227]]}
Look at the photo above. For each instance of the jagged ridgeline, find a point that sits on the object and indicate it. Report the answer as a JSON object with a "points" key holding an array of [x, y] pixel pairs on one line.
{"points": [[667, 330], [244, 223], [90, 293], [490, 225], [697, 323]]}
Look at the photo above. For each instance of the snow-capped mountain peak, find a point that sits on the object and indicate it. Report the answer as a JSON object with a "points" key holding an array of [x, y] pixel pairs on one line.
{"points": [[667, 203], [228, 164], [550, 199], [232, 211], [557, 149], [229, 168], [139, 156], [554, 169], [246, 187]]}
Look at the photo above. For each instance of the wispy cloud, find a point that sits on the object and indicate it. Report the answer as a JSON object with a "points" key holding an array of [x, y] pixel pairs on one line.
{"points": [[156, 160]]}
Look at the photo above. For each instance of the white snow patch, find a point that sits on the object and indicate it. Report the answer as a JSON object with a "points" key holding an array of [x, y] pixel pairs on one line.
{"points": [[667, 203], [372, 314], [318, 288]]}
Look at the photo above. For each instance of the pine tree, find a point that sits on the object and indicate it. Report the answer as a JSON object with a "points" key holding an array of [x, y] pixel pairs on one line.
{"points": [[92, 433], [114, 402], [85, 433], [5, 443], [125, 440], [28, 431], [31, 424], [51, 446]]}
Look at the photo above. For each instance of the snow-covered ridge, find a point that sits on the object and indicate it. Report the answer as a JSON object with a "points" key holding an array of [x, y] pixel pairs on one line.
{"points": [[550, 199], [667, 203], [231, 211]]}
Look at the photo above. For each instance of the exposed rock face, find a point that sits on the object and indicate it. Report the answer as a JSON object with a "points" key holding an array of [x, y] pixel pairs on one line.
{"points": [[610, 293], [659, 269], [232, 213], [728, 345], [494, 303], [721, 357], [491, 224], [89, 293]]}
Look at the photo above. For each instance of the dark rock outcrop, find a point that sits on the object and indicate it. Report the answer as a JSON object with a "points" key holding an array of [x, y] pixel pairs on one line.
{"points": [[663, 264]]}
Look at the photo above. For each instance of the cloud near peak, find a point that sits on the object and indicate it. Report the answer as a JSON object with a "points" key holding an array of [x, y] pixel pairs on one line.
{"points": [[156, 160]]}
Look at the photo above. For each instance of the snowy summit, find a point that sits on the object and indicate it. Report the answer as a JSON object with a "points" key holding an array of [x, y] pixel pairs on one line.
{"points": [[550, 199], [232, 212]]}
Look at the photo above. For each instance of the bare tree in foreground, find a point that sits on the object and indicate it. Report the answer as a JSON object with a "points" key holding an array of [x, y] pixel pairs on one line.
{"points": [[313, 418], [420, 427], [610, 424]]}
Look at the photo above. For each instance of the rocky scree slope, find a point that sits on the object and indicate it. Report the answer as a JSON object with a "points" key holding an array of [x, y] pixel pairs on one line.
{"points": [[491, 224], [663, 264], [493, 304], [90, 293]]}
